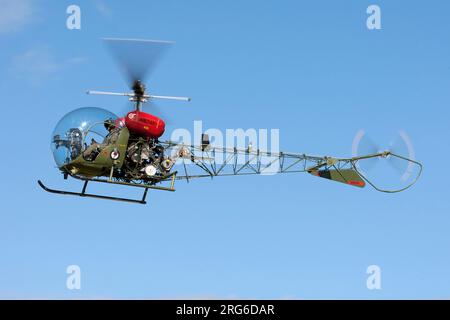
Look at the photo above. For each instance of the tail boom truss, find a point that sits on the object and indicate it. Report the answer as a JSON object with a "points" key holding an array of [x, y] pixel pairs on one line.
{"points": [[203, 162]]}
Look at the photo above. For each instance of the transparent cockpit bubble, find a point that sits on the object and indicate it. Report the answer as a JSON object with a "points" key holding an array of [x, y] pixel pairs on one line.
{"points": [[76, 131]]}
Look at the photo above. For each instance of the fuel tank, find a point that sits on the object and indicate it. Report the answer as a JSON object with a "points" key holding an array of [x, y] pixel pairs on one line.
{"points": [[144, 124]]}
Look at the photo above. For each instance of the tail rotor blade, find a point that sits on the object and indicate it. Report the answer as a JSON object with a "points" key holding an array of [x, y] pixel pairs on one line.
{"points": [[363, 144], [402, 145]]}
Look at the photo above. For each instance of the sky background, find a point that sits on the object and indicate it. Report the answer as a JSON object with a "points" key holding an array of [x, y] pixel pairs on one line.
{"points": [[312, 70]]}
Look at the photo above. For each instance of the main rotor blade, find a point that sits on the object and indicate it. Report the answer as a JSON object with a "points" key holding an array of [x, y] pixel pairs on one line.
{"points": [[154, 108], [137, 58]]}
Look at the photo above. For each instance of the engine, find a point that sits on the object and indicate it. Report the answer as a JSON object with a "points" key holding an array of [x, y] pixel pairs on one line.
{"points": [[145, 160]]}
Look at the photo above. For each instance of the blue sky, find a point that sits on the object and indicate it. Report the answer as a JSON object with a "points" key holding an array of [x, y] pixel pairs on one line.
{"points": [[312, 70]]}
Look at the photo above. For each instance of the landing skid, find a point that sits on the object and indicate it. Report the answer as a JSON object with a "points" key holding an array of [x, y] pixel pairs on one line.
{"points": [[83, 192]]}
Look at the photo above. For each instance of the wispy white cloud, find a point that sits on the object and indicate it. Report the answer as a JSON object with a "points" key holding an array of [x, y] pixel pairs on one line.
{"points": [[39, 64], [15, 14], [35, 64], [102, 8]]}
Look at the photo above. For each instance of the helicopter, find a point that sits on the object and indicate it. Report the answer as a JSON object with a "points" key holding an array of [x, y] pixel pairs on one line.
{"points": [[131, 152]]}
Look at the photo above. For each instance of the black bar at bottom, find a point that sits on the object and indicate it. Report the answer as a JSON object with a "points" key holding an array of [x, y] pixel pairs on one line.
{"points": [[236, 309]]}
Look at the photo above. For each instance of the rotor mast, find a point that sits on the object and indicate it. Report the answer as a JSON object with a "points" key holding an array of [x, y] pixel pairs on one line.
{"points": [[139, 92]]}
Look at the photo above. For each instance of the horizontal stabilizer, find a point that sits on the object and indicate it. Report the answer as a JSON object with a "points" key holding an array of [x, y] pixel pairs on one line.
{"points": [[347, 176]]}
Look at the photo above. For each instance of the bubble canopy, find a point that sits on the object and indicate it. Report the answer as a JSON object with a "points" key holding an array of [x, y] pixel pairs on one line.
{"points": [[76, 130]]}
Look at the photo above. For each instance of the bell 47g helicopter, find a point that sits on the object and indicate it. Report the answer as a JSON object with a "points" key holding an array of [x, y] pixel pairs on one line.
{"points": [[95, 146]]}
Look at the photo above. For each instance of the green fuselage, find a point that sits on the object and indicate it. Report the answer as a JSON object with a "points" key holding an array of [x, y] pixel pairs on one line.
{"points": [[103, 162]]}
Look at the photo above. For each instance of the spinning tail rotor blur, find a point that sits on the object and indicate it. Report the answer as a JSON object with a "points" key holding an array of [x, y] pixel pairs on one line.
{"points": [[395, 169]]}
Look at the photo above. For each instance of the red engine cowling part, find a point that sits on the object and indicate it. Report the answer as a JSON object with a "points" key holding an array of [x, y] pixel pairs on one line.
{"points": [[120, 122], [144, 124]]}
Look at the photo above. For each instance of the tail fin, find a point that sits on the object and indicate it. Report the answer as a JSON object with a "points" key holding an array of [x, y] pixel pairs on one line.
{"points": [[347, 176]]}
